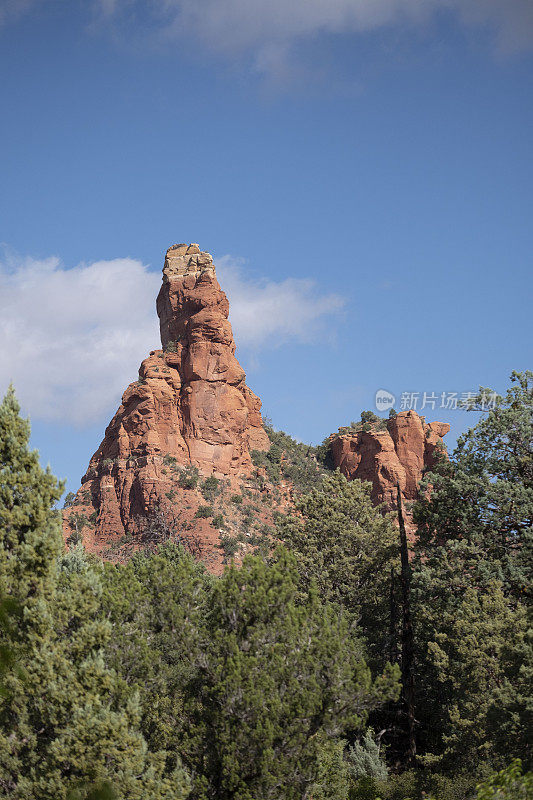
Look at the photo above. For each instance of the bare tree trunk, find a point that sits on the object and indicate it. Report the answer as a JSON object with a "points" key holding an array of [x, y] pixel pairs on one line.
{"points": [[408, 677], [393, 619]]}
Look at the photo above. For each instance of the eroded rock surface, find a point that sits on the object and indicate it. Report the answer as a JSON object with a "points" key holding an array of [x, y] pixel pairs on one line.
{"points": [[398, 451], [190, 408]]}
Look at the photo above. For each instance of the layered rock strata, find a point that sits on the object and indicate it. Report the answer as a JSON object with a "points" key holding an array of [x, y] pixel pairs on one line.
{"points": [[190, 408], [398, 452]]}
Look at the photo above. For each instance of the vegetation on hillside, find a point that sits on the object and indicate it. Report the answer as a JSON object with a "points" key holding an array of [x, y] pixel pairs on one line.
{"points": [[291, 461], [278, 680], [65, 725]]}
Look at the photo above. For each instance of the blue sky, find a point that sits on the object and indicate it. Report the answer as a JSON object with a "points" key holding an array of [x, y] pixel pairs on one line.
{"points": [[362, 172]]}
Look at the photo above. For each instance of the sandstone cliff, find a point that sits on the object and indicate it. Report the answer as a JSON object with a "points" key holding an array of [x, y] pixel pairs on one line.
{"points": [[185, 458], [398, 450], [189, 410]]}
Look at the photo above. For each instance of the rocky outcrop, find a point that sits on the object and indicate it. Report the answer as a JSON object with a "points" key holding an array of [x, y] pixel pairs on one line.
{"points": [[177, 453], [399, 450], [190, 409]]}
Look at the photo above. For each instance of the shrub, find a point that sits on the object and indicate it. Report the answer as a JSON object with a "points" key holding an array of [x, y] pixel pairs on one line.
{"points": [[259, 458], [237, 499], [332, 778], [230, 546], [275, 453], [78, 521], [458, 786], [509, 784], [74, 538], [210, 487], [302, 464], [369, 416], [204, 512], [188, 478], [267, 530], [248, 514], [365, 760], [397, 787], [217, 521], [69, 500]]}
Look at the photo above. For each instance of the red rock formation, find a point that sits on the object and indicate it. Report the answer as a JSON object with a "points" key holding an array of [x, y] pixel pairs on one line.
{"points": [[399, 452], [189, 408]]}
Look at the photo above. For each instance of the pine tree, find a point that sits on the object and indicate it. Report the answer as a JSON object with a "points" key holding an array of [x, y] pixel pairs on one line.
{"points": [[407, 660], [30, 536], [60, 727], [471, 575], [480, 503], [349, 549], [282, 674], [156, 604]]}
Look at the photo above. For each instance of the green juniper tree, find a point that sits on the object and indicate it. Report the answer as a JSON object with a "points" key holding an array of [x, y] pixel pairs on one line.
{"points": [[248, 678], [472, 575], [156, 604], [366, 760], [61, 730], [333, 777], [479, 504], [282, 675], [348, 548]]}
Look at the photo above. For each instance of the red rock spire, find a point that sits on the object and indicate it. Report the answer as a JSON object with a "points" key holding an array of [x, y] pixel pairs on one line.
{"points": [[190, 406]]}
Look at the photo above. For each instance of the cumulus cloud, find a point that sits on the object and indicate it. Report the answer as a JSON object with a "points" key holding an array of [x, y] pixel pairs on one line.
{"points": [[266, 30], [512, 20], [266, 313], [72, 339]]}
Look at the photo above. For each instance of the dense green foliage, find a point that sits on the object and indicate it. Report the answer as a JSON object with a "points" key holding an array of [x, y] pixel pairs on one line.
{"points": [[508, 784], [61, 725], [348, 549], [154, 679], [369, 421], [281, 677], [472, 575], [235, 675]]}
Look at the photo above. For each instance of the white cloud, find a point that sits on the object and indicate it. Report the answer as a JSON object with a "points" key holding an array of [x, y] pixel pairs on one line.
{"points": [[71, 340], [511, 19], [266, 30], [266, 313]]}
